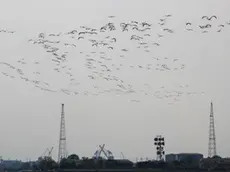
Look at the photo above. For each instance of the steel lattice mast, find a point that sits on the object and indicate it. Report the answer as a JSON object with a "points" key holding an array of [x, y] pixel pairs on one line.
{"points": [[212, 136], [62, 153]]}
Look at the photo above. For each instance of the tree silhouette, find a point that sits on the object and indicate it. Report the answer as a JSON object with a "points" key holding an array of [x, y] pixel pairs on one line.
{"points": [[47, 163]]}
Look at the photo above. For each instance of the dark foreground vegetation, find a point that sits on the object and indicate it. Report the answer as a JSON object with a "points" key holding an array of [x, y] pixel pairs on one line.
{"points": [[74, 164]]}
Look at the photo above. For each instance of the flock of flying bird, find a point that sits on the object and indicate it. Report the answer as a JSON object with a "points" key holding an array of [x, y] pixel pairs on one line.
{"points": [[106, 56]]}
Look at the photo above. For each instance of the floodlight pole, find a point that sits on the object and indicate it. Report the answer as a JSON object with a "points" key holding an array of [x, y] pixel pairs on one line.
{"points": [[159, 143]]}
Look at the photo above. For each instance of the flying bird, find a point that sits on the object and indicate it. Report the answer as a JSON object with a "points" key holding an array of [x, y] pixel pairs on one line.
{"points": [[168, 15], [145, 24], [202, 27], [124, 50], [208, 26], [203, 17], [80, 37], [209, 18], [157, 44], [189, 29], [80, 33], [114, 39], [160, 35], [134, 22], [95, 33]]}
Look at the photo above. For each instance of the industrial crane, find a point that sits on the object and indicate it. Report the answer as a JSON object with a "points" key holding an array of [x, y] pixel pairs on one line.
{"points": [[122, 155], [108, 154], [49, 152]]}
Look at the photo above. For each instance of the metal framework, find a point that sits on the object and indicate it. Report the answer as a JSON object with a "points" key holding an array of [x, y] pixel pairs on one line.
{"points": [[107, 153], [48, 152], [62, 153], [212, 136]]}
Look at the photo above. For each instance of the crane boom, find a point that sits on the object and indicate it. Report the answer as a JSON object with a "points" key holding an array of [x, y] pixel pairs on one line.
{"points": [[50, 152]]}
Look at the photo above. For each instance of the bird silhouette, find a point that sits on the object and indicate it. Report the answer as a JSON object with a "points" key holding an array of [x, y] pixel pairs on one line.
{"points": [[209, 18], [168, 15], [80, 37]]}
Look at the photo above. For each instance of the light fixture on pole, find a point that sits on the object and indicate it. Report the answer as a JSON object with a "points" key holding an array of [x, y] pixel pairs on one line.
{"points": [[159, 142]]}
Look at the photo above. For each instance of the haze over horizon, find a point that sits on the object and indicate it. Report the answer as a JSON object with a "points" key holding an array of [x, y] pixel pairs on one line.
{"points": [[139, 102]]}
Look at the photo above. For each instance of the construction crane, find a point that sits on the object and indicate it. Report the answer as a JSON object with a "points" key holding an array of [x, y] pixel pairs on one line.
{"points": [[122, 155], [108, 154], [48, 152]]}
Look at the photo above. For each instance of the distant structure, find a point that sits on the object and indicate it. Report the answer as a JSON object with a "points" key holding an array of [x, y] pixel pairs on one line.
{"points": [[159, 142], [212, 136], [12, 164], [47, 153], [189, 158], [107, 153], [62, 153]]}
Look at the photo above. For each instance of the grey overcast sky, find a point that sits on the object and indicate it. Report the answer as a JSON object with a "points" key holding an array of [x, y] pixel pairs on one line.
{"points": [[125, 121]]}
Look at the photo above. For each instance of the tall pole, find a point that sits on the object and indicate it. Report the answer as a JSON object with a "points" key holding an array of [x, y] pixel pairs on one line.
{"points": [[62, 139], [212, 136]]}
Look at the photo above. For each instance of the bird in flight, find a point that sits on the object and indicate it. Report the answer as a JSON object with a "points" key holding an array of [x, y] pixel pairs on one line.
{"points": [[124, 50], [114, 39], [80, 33], [168, 15], [160, 35], [134, 22], [95, 44], [157, 44], [188, 23], [209, 18], [80, 37], [145, 24], [189, 29]]}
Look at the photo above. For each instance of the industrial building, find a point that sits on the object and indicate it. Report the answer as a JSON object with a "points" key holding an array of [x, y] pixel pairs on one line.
{"points": [[12, 164], [184, 157]]}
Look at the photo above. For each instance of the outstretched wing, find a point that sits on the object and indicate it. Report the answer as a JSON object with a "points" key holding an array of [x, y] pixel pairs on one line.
{"points": [[205, 17], [213, 17]]}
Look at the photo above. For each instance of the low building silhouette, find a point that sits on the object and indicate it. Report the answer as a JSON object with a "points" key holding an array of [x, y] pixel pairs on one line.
{"points": [[192, 159]]}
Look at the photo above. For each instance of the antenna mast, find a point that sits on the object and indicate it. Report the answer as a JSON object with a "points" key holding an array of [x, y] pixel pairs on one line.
{"points": [[212, 136], [62, 140]]}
